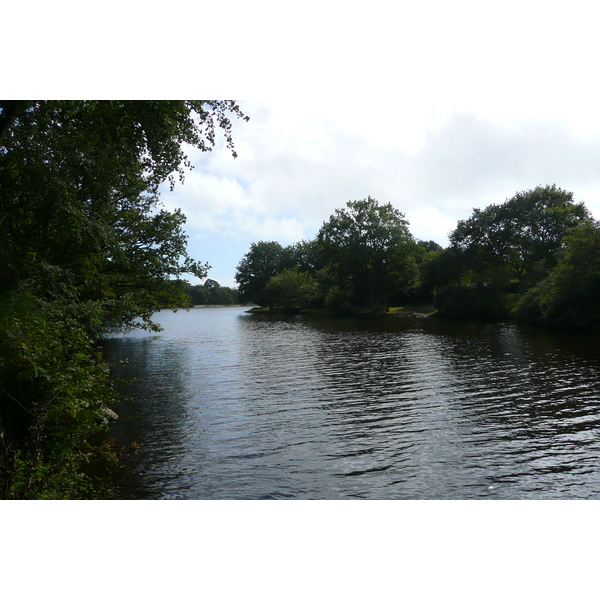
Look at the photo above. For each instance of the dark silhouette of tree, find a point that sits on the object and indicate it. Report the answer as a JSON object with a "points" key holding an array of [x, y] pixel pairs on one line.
{"points": [[525, 230], [369, 250], [259, 264]]}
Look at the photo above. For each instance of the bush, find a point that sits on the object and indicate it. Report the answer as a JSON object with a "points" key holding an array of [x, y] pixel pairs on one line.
{"points": [[468, 302], [339, 302], [54, 388], [569, 297]]}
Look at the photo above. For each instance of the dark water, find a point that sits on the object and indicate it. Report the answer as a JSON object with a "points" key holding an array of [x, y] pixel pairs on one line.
{"points": [[230, 405]]}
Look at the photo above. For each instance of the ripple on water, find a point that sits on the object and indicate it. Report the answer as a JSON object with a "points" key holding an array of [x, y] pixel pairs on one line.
{"points": [[233, 406]]}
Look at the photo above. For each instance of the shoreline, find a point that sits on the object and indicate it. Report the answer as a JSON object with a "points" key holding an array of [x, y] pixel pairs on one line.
{"points": [[421, 310], [221, 306]]}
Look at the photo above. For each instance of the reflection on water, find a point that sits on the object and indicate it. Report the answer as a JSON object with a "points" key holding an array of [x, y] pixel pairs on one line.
{"points": [[233, 405]]}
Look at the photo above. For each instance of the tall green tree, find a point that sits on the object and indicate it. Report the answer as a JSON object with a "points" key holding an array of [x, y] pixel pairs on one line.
{"points": [[504, 249], [78, 194], [259, 264], [85, 247], [519, 234], [292, 289], [570, 295], [211, 292], [369, 250], [305, 256]]}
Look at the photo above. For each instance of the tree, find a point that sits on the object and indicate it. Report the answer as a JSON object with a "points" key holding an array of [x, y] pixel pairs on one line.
{"points": [[504, 249], [424, 248], [304, 255], [211, 292], [570, 295], [291, 289], [524, 231], [79, 185], [368, 248], [259, 264], [85, 247], [198, 295], [219, 295]]}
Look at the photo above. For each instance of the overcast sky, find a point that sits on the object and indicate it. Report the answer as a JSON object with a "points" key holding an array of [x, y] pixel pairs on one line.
{"points": [[436, 107], [297, 163]]}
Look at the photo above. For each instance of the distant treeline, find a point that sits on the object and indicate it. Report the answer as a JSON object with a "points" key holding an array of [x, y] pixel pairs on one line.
{"points": [[210, 292], [534, 258]]}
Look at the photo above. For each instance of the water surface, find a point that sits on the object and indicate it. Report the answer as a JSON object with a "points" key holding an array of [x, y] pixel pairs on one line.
{"points": [[230, 405]]}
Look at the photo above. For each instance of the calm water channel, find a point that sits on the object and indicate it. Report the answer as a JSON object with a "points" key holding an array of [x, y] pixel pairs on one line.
{"points": [[230, 405]]}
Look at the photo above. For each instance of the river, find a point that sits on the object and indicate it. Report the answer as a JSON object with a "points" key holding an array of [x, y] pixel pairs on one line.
{"points": [[231, 405]]}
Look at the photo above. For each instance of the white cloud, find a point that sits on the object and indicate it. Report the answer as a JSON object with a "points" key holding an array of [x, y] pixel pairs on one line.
{"points": [[435, 107], [295, 169], [430, 223]]}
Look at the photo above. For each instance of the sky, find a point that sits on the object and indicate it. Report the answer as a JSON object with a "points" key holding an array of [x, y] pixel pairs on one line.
{"points": [[297, 163], [437, 109]]}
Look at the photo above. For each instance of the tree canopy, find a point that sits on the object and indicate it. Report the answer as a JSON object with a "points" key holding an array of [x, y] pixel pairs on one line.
{"points": [[503, 250], [524, 230], [259, 264], [85, 248], [531, 257], [369, 249], [212, 293], [361, 255], [291, 289], [570, 295], [78, 196]]}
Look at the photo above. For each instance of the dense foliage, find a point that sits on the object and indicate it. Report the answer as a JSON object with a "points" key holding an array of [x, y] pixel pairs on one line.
{"points": [[520, 234], [570, 295], [501, 251], [292, 289], [363, 255], [369, 251], [263, 261], [534, 257], [85, 248], [212, 293]]}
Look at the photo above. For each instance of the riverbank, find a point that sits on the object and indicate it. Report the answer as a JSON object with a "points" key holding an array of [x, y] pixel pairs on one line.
{"points": [[421, 310], [221, 305]]}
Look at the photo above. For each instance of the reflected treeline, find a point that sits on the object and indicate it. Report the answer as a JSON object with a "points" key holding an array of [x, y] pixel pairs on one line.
{"points": [[154, 374]]}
